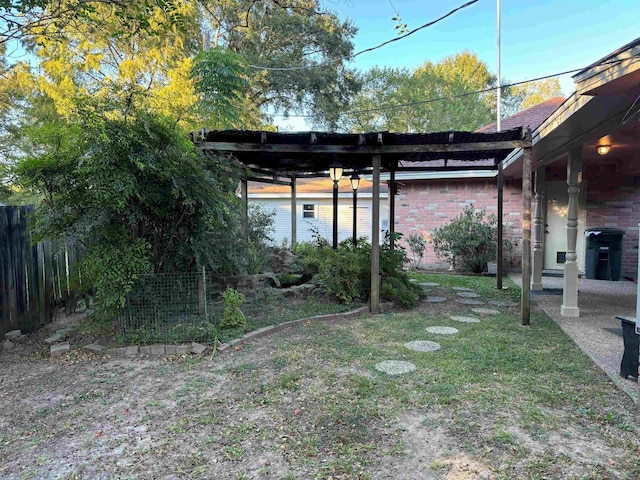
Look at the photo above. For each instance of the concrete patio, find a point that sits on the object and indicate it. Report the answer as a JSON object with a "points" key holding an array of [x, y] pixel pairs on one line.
{"points": [[597, 331]]}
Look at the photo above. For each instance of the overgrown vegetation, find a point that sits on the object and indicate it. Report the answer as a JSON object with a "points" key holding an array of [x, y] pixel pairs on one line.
{"points": [[345, 273], [233, 316], [417, 244], [469, 240]]}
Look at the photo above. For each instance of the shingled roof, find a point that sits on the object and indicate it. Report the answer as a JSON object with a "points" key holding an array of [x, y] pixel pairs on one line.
{"points": [[531, 117]]}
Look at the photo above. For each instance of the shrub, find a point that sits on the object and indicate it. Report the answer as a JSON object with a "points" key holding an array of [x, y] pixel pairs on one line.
{"points": [[469, 240], [417, 245], [233, 316]]}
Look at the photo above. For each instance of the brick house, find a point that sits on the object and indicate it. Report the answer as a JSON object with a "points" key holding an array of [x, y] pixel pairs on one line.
{"points": [[427, 200]]}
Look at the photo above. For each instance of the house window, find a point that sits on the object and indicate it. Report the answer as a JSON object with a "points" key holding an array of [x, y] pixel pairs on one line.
{"points": [[308, 211]]}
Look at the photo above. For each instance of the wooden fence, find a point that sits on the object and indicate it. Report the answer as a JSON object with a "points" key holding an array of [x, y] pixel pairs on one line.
{"points": [[35, 278]]}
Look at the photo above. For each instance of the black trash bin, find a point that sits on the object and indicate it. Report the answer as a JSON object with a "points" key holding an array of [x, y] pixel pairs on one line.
{"points": [[604, 253]]}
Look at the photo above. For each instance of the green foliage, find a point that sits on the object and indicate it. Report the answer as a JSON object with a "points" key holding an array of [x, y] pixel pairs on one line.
{"points": [[345, 273], [261, 227], [233, 316], [221, 77], [133, 194], [417, 245], [468, 241]]}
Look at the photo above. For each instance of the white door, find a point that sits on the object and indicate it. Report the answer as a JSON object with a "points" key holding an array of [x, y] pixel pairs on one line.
{"points": [[555, 240]]}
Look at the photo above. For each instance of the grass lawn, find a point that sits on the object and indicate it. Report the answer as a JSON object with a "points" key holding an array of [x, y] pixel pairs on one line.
{"points": [[497, 400]]}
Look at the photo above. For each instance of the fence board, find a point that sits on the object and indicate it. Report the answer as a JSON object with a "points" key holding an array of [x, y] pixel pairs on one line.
{"points": [[34, 278]]}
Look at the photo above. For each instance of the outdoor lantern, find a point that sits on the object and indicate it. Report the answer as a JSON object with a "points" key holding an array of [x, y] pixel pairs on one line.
{"points": [[355, 182], [335, 172], [603, 149]]}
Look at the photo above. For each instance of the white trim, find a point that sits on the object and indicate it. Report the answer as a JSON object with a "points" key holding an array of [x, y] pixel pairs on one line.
{"points": [[457, 174]]}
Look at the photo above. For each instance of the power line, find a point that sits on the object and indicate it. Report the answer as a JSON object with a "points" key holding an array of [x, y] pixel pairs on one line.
{"points": [[461, 95], [366, 50]]}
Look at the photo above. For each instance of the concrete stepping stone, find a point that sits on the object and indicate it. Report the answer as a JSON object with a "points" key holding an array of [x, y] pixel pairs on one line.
{"points": [[500, 303], [469, 301], [395, 367], [485, 311], [429, 284], [58, 349], [464, 319], [422, 346], [436, 299], [463, 289], [442, 330], [468, 294]]}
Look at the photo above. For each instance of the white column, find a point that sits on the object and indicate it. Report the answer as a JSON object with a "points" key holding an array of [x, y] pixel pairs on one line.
{"points": [[538, 230], [570, 291]]}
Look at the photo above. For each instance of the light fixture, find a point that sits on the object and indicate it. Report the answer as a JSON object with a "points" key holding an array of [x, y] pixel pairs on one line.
{"points": [[355, 181], [335, 172], [603, 149]]}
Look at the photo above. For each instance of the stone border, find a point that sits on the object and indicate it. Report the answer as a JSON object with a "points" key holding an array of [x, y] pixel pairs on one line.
{"points": [[156, 351]]}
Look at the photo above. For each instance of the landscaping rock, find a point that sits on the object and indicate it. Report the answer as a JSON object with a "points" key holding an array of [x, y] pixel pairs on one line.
{"points": [[465, 319], [395, 367], [442, 330], [145, 350], [14, 335], [59, 348], [468, 295], [463, 289], [469, 301], [94, 348], [436, 299], [485, 311], [198, 348], [422, 346], [55, 338], [8, 345], [157, 349], [131, 351]]}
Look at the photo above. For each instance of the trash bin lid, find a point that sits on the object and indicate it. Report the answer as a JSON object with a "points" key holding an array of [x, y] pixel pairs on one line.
{"points": [[603, 231]]}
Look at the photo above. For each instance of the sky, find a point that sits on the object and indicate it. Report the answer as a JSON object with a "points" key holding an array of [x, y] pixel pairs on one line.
{"points": [[538, 37]]}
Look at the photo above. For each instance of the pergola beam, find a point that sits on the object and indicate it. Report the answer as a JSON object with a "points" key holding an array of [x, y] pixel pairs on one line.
{"points": [[362, 149]]}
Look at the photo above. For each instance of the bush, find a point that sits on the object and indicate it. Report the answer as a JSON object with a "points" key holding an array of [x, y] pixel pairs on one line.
{"points": [[233, 316], [417, 245], [469, 240]]}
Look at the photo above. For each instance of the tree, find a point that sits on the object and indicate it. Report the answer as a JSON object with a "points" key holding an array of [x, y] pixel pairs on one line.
{"points": [[305, 48], [529, 94], [133, 195], [433, 97]]}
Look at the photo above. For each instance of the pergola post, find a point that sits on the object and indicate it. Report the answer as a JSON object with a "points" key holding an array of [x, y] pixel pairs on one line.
{"points": [[570, 289], [294, 212], [392, 207], [538, 228], [375, 237], [500, 242], [525, 300], [244, 194]]}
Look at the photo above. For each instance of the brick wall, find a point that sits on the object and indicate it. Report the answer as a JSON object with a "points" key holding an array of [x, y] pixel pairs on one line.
{"points": [[614, 201], [611, 201], [424, 205]]}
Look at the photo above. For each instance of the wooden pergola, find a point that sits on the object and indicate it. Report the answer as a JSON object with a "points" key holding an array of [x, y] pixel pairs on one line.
{"points": [[281, 158]]}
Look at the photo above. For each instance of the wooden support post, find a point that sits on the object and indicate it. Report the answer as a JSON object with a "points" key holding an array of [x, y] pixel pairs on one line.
{"points": [[525, 301], [244, 193], [294, 213], [392, 207], [375, 237], [570, 289], [500, 242], [538, 229]]}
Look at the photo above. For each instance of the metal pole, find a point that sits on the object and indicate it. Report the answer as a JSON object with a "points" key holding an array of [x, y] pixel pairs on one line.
{"points": [[500, 242], [335, 215], [355, 218], [499, 91], [392, 208]]}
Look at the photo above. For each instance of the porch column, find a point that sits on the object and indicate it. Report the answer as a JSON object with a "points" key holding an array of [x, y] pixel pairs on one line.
{"points": [[294, 212], [570, 290], [375, 237], [538, 229], [525, 296]]}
